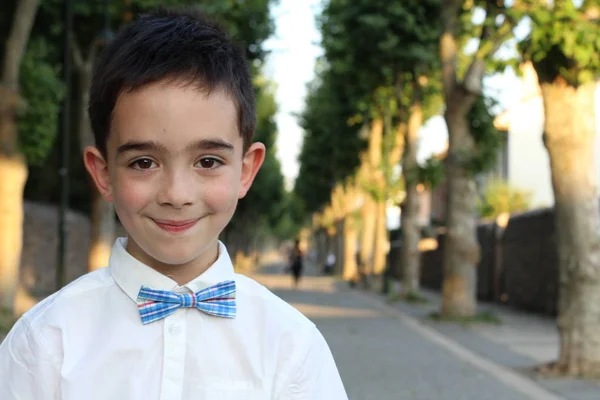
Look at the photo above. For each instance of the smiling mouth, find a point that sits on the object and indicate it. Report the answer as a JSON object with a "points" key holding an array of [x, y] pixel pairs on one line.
{"points": [[175, 226]]}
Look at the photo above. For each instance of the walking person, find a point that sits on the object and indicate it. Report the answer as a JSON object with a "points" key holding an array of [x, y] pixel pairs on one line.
{"points": [[296, 263]]}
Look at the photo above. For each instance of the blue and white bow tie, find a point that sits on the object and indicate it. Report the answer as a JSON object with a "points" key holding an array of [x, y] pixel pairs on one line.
{"points": [[217, 300]]}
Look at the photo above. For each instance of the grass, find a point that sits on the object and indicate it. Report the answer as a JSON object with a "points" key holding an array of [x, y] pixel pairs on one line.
{"points": [[410, 297], [7, 320], [480, 318]]}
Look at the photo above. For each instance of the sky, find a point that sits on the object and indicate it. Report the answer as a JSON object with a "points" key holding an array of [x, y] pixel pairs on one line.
{"points": [[294, 49]]}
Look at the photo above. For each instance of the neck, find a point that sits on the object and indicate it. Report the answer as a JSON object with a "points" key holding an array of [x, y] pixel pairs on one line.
{"points": [[180, 273]]}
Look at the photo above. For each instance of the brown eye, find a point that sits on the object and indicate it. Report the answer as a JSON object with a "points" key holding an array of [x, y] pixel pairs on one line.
{"points": [[143, 163], [209, 163]]}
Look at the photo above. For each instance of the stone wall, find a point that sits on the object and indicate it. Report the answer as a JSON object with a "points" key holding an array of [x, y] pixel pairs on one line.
{"points": [[529, 265], [518, 265], [40, 248]]}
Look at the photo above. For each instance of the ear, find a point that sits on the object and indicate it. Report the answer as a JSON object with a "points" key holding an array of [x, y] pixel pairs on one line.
{"points": [[251, 163], [98, 169]]}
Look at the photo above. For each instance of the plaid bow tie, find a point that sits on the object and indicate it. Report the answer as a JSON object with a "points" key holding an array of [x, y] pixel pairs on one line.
{"points": [[217, 300]]}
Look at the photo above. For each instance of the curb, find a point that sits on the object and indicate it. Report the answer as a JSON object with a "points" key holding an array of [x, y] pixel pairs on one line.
{"points": [[512, 379]]}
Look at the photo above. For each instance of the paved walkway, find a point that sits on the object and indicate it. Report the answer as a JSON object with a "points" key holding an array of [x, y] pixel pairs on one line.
{"points": [[521, 342], [386, 352]]}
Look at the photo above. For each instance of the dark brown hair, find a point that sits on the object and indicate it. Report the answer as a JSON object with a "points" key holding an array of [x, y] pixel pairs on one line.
{"points": [[182, 46]]}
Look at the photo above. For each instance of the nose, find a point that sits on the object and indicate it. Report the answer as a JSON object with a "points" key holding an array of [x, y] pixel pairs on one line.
{"points": [[176, 189]]}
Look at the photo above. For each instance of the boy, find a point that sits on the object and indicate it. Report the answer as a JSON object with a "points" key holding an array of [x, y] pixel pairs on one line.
{"points": [[172, 110]]}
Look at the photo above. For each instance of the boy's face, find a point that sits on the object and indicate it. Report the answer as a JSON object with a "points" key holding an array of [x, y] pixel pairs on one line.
{"points": [[175, 170]]}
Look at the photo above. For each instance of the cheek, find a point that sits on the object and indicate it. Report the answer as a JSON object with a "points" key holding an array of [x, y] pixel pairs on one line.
{"points": [[222, 197], [132, 194]]}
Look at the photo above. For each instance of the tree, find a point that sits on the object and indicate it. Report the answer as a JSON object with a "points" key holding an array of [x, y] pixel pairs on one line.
{"points": [[462, 87], [331, 144], [13, 167], [84, 56], [564, 46], [390, 48], [330, 150]]}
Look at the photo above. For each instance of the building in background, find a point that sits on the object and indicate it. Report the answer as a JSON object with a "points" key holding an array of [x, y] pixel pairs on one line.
{"points": [[528, 165]]}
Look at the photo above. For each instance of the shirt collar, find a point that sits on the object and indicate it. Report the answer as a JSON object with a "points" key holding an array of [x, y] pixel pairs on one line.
{"points": [[131, 274]]}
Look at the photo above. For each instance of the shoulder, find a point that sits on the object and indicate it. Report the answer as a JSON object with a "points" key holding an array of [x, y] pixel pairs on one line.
{"points": [[39, 332], [289, 338], [256, 299], [281, 326], [53, 313], [284, 330]]}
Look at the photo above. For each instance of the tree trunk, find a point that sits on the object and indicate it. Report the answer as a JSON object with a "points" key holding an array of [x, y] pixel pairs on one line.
{"points": [[372, 166], [103, 214], [409, 254], [318, 243], [461, 252], [375, 144], [381, 239], [350, 238], [339, 247], [13, 166], [103, 232], [569, 136], [367, 234], [13, 175]]}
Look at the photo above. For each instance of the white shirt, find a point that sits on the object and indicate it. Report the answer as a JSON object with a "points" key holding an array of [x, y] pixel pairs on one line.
{"points": [[87, 342]]}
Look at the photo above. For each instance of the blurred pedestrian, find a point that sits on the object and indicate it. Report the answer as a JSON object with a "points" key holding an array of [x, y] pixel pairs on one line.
{"points": [[296, 263], [329, 264]]}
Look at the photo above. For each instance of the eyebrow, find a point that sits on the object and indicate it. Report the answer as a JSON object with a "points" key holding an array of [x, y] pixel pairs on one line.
{"points": [[211, 144], [154, 146], [135, 145]]}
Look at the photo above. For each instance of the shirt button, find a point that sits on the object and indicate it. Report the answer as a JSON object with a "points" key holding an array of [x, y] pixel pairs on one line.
{"points": [[174, 330]]}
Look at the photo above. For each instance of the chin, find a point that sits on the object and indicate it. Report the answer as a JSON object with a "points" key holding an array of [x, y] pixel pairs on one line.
{"points": [[172, 256], [178, 254]]}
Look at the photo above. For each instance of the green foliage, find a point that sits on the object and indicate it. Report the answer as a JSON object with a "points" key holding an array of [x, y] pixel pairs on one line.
{"points": [[499, 198], [43, 92], [292, 219], [491, 31], [564, 41], [487, 138], [381, 43], [375, 51], [410, 298], [249, 22], [431, 173], [331, 143]]}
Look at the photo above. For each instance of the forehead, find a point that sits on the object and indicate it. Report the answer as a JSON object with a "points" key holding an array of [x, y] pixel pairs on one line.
{"points": [[175, 115]]}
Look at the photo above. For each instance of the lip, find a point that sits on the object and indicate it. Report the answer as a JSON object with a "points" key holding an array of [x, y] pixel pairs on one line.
{"points": [[175, 226]]}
